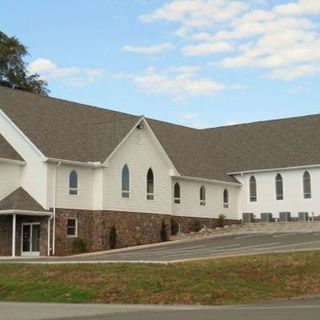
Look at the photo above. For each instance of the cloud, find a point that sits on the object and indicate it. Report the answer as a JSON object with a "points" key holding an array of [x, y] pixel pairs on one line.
{"points": [[73, 76], [207, 48], [194, 120], [282, 40], [177, 82], [150, 50]]}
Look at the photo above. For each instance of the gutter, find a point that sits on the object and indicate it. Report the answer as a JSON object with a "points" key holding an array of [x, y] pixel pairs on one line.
{"points": [[26, 212], [235, 184], [89, 164], [17, 162]]}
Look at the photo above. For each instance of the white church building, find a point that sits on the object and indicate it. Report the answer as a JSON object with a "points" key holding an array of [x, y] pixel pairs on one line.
{"points": [[70, 171]]}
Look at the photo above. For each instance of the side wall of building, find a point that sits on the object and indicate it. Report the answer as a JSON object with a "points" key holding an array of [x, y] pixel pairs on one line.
{"points": [[293, 196]]}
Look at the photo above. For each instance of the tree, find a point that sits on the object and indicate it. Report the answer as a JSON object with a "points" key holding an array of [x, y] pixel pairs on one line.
{"points": [[113, 237], [13, 70], [163, 232]]}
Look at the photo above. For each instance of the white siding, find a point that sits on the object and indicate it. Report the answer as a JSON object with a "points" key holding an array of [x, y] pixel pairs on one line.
{"points": [[10, 178], [190, 200], [293, 201], [139, 152], [84, 198]]}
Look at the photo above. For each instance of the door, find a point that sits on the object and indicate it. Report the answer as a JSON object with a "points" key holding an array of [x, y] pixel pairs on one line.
{"points": [[30, 239]]}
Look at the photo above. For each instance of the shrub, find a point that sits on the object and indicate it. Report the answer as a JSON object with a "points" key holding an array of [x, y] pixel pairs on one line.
{"points": [[174, 227], [113, 237], [163, 232], [221, 221], [78, 245], [196, 227]]}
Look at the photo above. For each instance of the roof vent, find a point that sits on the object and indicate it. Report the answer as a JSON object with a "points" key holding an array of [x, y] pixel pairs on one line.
{"points": [[140, 126]]}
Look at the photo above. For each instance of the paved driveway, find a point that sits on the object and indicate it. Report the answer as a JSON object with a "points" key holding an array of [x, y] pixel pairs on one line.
{"points": [[230, 245], [282, 310]]}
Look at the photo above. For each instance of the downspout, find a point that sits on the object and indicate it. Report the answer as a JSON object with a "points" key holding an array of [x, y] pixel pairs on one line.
{"points": [[54, 197]]}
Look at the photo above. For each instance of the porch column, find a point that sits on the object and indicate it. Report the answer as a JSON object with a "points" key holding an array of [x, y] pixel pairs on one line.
{"points": [[14, 235]]}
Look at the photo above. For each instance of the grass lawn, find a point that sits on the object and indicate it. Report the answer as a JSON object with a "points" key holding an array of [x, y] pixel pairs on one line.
{"points": [[221, 281]]}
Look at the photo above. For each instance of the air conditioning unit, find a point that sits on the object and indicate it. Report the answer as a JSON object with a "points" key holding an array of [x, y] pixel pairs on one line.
{"points": [[247, 217], [266, 217], [285, 216], [303, 216]]}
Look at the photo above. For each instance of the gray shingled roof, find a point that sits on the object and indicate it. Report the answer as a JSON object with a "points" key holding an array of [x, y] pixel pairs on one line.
{"points": [[20, 200], [72, 131], [7, 151]]}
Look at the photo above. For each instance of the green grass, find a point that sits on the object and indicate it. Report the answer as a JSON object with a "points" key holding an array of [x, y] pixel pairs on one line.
{"points": [[221, 281]]}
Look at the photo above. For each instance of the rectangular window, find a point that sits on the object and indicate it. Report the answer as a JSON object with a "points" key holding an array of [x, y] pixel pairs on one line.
{"points": [[72, 227]]}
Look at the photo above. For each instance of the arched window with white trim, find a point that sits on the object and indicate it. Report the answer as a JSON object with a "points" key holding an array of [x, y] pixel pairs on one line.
{"points": [[253, 189], [150, 185], [202, 196], [176, 193], [73, 183], [279, 187], [307, 185], [125, 189], [226, 198]]}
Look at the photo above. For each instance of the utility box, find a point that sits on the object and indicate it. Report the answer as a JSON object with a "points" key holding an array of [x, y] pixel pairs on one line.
{"points": [[284, 216], [266, 217], [247, 217], [303, 216]]}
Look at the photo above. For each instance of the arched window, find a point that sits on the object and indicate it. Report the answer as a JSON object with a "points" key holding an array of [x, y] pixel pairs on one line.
{"points": [[176, 193], [226, 198], [125, 190], [202, 196], [73, 183], [279, 187], [150, 185], [307, 185], [253, 189]]}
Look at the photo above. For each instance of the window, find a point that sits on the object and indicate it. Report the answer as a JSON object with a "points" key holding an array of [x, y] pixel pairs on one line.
{"points": [[307, 185], [72, 227], [150, 185], [202, 196], [279, 187], [226, 198], [73, 183], [125, 182], [253, 189], [176, 196]]}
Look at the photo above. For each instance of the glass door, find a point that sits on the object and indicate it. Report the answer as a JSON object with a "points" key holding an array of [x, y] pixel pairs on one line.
{"points": [[30, 239]]}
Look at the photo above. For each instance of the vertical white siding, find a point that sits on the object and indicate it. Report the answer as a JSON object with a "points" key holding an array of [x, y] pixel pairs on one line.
{"points": [[190, 200], [293, 200], [140, 153], [10, 178]]}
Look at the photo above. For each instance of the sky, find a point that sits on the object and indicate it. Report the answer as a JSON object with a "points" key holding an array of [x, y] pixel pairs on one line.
{"points": [[199, 63]]}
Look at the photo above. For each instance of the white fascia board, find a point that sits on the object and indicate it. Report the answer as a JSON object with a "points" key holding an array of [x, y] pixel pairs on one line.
{"points": [[26, 213], [17, 162], [234, 184], [275, 169], [75, 163], [30, 143]]}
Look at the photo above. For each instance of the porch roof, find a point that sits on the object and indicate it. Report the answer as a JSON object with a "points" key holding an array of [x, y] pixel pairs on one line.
{"points": [[21, 202]]}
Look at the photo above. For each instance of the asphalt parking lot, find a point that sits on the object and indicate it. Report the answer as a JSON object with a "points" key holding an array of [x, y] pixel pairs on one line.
{"points": [[214, 247]]}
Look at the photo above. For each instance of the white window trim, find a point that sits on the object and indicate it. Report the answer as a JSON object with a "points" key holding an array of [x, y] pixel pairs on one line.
{"points": [[73, 189], [75, 228]]}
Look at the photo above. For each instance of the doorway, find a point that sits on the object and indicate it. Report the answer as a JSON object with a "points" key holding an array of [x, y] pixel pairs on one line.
{"points": [[30, 239]]}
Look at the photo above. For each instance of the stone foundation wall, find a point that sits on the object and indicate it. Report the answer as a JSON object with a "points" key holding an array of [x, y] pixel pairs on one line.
{"points": [[133, 228], [5, 235]]}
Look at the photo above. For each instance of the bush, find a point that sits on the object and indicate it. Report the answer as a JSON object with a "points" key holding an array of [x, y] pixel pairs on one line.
{"points": [[221, 221], [196, 227], [113, 237], [78, 245], [174, 227], [163, 232]]}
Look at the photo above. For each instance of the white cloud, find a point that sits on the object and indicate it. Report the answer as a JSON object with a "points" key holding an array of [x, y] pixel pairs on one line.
{"points": [[149, 50], [177, 82], [207, 48], [282, 39], [74, 76], [194, 120]]}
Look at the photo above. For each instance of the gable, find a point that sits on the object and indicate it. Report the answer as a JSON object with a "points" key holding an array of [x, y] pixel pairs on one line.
{"points": [[7, 151]]}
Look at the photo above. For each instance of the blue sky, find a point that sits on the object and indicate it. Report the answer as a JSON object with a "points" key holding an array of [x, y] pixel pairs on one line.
{"points": [[200, 63]]}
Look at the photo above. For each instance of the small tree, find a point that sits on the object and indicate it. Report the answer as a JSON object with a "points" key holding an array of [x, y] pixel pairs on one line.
{"points": [[174, 227], [221, 221], [163, 232], [196, 227], [113, 237], [78, 245]]}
